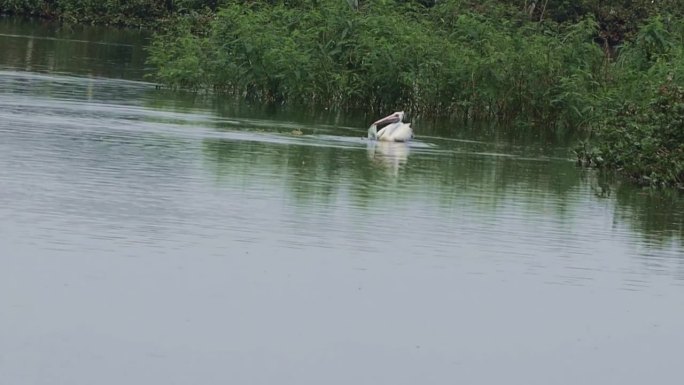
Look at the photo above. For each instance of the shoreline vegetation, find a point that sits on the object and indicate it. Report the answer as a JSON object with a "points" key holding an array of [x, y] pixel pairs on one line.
{"points": [[612, 70]]}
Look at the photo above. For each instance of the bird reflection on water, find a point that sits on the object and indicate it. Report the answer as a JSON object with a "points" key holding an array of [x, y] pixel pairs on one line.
{"points": [[389, 155]]}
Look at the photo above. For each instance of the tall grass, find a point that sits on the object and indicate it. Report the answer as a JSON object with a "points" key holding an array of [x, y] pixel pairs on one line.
{"points": [[444, 59], [612, 68], [642, 132], [469, 60]]}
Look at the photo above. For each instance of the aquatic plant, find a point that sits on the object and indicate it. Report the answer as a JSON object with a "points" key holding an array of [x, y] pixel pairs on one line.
{"points": [[645, 143], [484, 61], [437, 60], [642, 133], [608, 68]]}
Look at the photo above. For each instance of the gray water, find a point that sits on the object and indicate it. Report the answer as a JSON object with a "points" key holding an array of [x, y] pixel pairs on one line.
{"points": [[149, 237]]}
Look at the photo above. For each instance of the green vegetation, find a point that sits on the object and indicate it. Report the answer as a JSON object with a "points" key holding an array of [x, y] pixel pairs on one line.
{"points": [[644, 142], [130, 13], [611, 69], [433, 60], [641, 132]]}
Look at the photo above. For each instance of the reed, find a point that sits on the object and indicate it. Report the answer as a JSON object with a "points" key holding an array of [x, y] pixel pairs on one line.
{"points": [[438, 60], [642, 132], [612, 70]]}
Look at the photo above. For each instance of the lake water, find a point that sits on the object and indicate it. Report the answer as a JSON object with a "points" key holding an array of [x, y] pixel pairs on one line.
{"points": [[150, 237]]}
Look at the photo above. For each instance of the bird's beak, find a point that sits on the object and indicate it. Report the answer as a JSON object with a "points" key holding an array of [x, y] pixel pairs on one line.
{"points": [[387, 119]]}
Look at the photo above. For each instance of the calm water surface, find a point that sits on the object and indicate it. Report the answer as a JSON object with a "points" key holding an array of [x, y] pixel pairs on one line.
{"points": [[157, 238]]}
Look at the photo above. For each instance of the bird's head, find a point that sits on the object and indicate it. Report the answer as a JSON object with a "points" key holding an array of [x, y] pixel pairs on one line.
{"points": [[393, 118]]}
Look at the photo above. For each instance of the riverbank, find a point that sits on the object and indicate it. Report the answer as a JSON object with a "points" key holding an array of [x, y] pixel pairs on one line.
{"points": [[609, 72], [491, 61]]}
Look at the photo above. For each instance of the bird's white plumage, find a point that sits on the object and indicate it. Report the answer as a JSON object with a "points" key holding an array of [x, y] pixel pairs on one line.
{"points": [[395, 131]]}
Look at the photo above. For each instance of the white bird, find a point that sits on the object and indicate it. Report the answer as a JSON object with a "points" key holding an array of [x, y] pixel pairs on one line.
{"points": [[394, 131]]}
